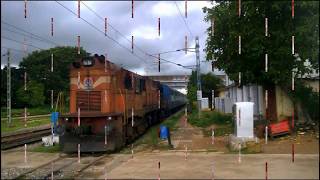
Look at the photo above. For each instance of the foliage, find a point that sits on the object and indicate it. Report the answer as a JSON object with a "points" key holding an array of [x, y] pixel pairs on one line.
{"points": [[208, 118], [17, 78], [192, 93], [209, 82], [222, 47], [171, 122], [47, 149], [151, 137], [38, 67], [32, 96], [219, 131], [309, 99]]}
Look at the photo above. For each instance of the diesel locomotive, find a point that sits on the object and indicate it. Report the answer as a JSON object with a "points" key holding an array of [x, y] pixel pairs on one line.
{"points": [[111, 106]]}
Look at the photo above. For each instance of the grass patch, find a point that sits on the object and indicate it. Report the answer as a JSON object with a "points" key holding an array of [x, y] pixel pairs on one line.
{"points": [[171, 122], [209, 118], [17, 124], [219, 131], [151, 139], [222, 121], [31, 111], [47, 149]]}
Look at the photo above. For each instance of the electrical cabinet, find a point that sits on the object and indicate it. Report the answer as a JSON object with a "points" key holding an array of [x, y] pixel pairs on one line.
{"points": [[243, 117]]}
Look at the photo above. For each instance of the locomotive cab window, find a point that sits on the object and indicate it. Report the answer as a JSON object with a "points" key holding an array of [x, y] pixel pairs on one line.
{"points": [[88, 62], [128, 82]]}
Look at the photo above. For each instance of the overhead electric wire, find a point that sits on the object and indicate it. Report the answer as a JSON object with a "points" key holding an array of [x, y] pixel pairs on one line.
{"points": [[21, 42], [184, 19], [137, 47], [165, 52], [18, 50], [37, 36], [171, 51], [52, 42], [102, 32], [100, 17]]}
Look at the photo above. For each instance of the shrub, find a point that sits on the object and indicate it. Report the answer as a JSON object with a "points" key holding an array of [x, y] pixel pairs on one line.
{"points": [[209, 118]]}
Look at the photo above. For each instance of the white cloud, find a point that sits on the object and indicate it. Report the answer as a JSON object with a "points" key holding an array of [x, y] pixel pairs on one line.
{"points": [[146, 32], [164, 9], [197, 5]]}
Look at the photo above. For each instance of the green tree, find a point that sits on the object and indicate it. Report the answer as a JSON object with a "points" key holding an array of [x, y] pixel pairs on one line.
{"points": [[209, 82], [33, 96], [223, 45], [308, 98], [38, 67], [17, 78]]}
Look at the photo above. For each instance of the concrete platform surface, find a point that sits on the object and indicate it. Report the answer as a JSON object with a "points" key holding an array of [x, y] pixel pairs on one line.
{"points": [[204, 165], [199, 165]]}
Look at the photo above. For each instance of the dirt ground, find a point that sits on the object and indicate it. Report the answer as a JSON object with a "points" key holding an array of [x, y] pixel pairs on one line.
{"points": [[194, 139]]}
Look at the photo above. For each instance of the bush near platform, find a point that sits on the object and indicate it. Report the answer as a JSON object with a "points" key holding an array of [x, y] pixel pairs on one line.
{"points": [[209, 118], [47, 149], [151, 137], [171, 122]]}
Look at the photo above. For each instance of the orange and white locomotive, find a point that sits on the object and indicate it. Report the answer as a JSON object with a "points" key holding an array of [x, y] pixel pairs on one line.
{"points": [[111, 106]]}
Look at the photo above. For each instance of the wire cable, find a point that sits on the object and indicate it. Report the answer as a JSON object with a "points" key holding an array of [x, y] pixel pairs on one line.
{"points": [[137, 47], [35, 38], [39, 37], [183, 19], [100, 17], [18, 50], [21, 42], [102, 32]]}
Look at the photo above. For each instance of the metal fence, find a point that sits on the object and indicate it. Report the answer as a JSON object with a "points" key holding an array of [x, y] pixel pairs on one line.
{"points": [[223, 104]]}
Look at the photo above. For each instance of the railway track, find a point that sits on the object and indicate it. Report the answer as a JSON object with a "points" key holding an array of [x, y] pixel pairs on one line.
{"points": [[14, 139], [66, 167]]}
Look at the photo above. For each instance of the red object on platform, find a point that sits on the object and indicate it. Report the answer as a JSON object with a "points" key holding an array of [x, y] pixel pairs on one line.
{"points": [[279, 128]]}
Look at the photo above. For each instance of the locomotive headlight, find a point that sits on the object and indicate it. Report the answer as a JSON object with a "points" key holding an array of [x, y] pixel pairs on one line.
{"points": [[87, 62]]}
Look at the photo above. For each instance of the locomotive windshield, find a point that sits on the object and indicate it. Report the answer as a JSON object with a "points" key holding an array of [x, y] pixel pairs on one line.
{"points": [[87, 62]]}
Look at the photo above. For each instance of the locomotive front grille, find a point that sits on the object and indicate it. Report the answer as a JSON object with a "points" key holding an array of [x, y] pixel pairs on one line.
{"points": [[89, 100]]}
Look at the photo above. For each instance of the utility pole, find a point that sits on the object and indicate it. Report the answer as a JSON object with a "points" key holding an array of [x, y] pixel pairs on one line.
{"points": [[8, 88], [199, 92]]}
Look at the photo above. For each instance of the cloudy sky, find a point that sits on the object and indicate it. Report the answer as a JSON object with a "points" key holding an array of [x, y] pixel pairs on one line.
{"points": [[144, 28]]}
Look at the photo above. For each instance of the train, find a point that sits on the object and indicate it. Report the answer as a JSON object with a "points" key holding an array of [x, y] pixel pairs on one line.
{"points": [[110, 106]]}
